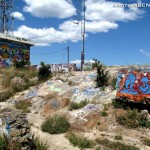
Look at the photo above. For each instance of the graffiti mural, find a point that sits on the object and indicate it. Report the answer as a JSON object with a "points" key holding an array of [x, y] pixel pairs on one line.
{"points": [[133, 85], [10, 52], [57, 67]]}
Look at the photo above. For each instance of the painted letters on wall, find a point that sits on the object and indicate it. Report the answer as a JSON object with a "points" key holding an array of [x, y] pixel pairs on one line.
{"points": [[10, 52], [134, 85]]}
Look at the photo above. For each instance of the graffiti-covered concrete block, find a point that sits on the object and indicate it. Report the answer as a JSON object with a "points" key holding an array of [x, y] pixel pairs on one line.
{"points": [[134, 85]]}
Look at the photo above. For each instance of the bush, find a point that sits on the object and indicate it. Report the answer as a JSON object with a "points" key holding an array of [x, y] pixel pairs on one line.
{"points": [[73, 139], [118, 137], [55, 125], [2, 143], [44, 72], [119, 104], [21, 64], [81, 142], [146, 141], [107, 144], [6, 144], [24, 105], [102, 77], [104, 114], [75, 105], [132, 119], [6, 95], [39, 144]]}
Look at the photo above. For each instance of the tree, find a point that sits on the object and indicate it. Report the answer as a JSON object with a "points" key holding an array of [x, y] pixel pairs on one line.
{"points": [[102, 76], [44, 72]]}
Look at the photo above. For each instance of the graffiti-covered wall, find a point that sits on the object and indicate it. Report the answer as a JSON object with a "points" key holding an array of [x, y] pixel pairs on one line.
{"points": [[134, 85], [10, 52]]}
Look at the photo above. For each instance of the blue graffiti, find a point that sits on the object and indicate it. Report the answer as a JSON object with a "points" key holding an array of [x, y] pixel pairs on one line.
{"points": [[129, 85], [145, 87]]}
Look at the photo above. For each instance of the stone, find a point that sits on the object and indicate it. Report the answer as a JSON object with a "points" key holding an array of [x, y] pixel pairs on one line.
{"points": [[16, 127]]}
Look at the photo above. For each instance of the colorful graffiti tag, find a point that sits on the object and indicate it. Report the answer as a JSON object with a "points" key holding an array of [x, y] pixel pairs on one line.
{"points": [[10, 52], [133, 85]]}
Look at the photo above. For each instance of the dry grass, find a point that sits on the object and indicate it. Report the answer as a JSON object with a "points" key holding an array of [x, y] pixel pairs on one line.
{"points": [[7, 74], [111, 145], [146, 141]]}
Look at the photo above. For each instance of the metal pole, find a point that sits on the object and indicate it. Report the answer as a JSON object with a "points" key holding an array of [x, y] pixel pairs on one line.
{"points": [[83, 40], [68, 55]]}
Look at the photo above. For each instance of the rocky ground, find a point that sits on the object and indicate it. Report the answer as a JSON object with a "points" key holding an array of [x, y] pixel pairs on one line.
{"points": [[53, 97]]}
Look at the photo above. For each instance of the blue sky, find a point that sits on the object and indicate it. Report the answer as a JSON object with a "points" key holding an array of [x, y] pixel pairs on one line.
{"points": [[114, 35]]}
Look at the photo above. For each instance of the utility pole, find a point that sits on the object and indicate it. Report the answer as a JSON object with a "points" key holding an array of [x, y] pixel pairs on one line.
{"points": [[68, 54], [83, 38]]}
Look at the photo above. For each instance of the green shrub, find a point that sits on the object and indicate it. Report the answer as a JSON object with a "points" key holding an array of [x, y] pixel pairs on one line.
{"points": [[24, 105], [6, 95], [75, 105], [132, 119], [107, 144], [118, 137], [2, 143], [21, 64], [55, 125], [73, 139], [44, 72], [104, 114], [146, 141], [98, 123], [119, 104], [81, 142], [84, 143], [102, 77], [39, 144]]}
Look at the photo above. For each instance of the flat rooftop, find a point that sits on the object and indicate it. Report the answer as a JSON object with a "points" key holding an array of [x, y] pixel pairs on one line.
{"points": [[17, 40]]}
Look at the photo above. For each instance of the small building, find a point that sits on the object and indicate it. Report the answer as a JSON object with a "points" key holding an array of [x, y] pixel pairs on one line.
{"points": [[13, 49]]}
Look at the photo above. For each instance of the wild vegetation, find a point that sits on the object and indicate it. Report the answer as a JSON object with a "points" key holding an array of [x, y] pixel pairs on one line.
{"points": [[81, 142], [37, 144], [23, 105], [75, 105], [102, 74], [107, 144], [132, 119], [15, 80], [55, 125], [44, 72]]}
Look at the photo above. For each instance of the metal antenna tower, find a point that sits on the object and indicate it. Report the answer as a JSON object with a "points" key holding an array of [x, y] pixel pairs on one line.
{"points": [[6, 16]]}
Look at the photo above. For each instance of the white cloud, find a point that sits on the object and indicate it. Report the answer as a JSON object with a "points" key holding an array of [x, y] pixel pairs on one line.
{"points": [[18, 15], [102, 10], [77, 61], [50, 8], [46, 36], [146, 53], [101, 16]]}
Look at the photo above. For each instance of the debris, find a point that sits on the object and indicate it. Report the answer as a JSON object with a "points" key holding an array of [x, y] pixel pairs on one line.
{"points": [[86, 110], [16, 126]]}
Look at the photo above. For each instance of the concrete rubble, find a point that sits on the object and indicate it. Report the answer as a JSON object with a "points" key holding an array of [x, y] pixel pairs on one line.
{"points": [[16, 127], [87, 110]]}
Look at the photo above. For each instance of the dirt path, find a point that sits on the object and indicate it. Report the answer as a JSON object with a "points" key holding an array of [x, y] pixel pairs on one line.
{"points": [[55, 142]]}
